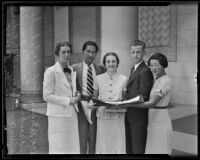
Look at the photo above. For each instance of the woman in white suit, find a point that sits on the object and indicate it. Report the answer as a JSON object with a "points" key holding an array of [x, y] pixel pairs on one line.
{"points": [[59, 90]]}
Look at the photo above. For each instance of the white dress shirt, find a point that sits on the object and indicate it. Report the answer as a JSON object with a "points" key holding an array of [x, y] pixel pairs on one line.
{"points": [[136, 66]]}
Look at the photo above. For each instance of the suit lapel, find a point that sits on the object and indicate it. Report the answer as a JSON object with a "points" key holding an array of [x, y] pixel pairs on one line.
{"points": [[62, 75], [79, 73], [73, 75], [66, 83], [134, 75], [97, 70]]}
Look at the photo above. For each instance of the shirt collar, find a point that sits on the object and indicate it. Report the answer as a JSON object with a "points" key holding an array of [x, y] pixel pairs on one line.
{"points": [[85, 64], [113, 76], [138, 64]]}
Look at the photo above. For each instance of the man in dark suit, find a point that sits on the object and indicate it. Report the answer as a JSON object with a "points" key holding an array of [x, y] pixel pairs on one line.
{"points": [[87, 131], [140, 83]]}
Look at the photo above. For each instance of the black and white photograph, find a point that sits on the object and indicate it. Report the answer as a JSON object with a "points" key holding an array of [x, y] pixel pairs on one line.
{"points": [[95, 80]]}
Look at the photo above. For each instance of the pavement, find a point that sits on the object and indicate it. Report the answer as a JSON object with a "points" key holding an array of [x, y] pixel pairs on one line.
{"points": [[26, 131], [184, 123]]}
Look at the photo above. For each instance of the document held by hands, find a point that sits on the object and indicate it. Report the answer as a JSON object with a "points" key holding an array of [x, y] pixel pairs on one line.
{"points": [[87, 111], [136, 99]]}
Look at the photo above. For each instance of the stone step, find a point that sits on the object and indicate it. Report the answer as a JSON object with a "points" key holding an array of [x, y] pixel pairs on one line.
{"points": [[184, 122], [184, 142]]}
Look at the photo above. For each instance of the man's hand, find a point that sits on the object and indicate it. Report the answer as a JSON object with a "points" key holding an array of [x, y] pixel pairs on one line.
{"points": [[92, 106]]}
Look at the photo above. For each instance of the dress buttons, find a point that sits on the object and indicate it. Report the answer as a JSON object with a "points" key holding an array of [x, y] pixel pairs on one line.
{"points": [[110, 84], [109, 98], [110, 90]]}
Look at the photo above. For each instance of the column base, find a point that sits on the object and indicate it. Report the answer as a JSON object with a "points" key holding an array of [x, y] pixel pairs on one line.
{"points": [[31, 98], [40, 108]]}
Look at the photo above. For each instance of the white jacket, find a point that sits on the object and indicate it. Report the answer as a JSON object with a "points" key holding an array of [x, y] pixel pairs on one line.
{"points": [[57, 92]]}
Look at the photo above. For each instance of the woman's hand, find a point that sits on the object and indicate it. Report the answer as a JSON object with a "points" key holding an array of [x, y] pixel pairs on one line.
{"points": [[78, 95], [75, 99]]}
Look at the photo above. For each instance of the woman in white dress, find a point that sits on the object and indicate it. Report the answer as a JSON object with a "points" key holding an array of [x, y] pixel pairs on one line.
{"points": [[59, 90], [110, 86], [159, 133]]}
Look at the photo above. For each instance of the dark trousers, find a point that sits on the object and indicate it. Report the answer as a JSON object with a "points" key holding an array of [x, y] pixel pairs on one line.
{"points": [[136, 134], [87, 132]]}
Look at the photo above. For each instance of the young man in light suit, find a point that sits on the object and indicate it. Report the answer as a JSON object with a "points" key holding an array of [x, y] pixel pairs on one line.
{"points": [[87, 131], [59, 90], [140, 83]]}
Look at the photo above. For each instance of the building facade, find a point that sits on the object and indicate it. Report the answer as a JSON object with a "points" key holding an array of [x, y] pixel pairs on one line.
{"points": [[33, 31]]}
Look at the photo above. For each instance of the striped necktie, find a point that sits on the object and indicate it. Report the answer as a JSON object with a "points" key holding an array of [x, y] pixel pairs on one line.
{"points": [[89, 81]]}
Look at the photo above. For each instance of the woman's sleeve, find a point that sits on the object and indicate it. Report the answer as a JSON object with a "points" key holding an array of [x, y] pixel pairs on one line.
{"points": [[95, 85], [162, 89], [48, 90]]}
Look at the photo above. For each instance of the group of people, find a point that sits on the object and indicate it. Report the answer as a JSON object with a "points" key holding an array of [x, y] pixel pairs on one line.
{"points": [[77, 126]]}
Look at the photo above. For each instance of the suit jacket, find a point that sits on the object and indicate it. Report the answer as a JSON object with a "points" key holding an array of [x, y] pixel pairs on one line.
{"points": [[140, 83], [79, 69], [57, 91]]}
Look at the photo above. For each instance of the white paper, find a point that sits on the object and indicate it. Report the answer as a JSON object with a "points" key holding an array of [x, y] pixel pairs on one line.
{"points": [[132, 100], [87, 110]]}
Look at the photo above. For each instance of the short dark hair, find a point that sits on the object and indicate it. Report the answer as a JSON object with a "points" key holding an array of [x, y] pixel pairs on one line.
{"points": [[162, 59], [138, 43], [60, 44], [110, 54], [91, 43]]}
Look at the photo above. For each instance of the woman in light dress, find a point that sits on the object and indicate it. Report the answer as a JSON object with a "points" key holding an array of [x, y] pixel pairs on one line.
{"points": [[110, 86], [159, 133], [59, 90]]}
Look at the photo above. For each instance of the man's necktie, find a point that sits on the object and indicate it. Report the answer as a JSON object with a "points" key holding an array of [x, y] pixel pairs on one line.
{"points": [[89, 81], [132, 70]]}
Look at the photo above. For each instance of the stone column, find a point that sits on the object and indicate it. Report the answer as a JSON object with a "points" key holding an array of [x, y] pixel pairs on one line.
{"points": [[31, 54], [16, 61], [119, 25]]}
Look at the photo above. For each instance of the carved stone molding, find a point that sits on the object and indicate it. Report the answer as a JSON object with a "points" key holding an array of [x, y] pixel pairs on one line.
{"points": [[168, 46], [84, 25]]}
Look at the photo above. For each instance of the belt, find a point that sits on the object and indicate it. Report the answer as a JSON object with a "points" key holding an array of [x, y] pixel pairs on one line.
{"points": [[85, 98], [160, 107]]}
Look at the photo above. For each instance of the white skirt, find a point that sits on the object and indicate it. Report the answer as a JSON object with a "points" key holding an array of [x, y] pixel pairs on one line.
{"points": [[110, 136], [159, 138], [63, 135]]}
